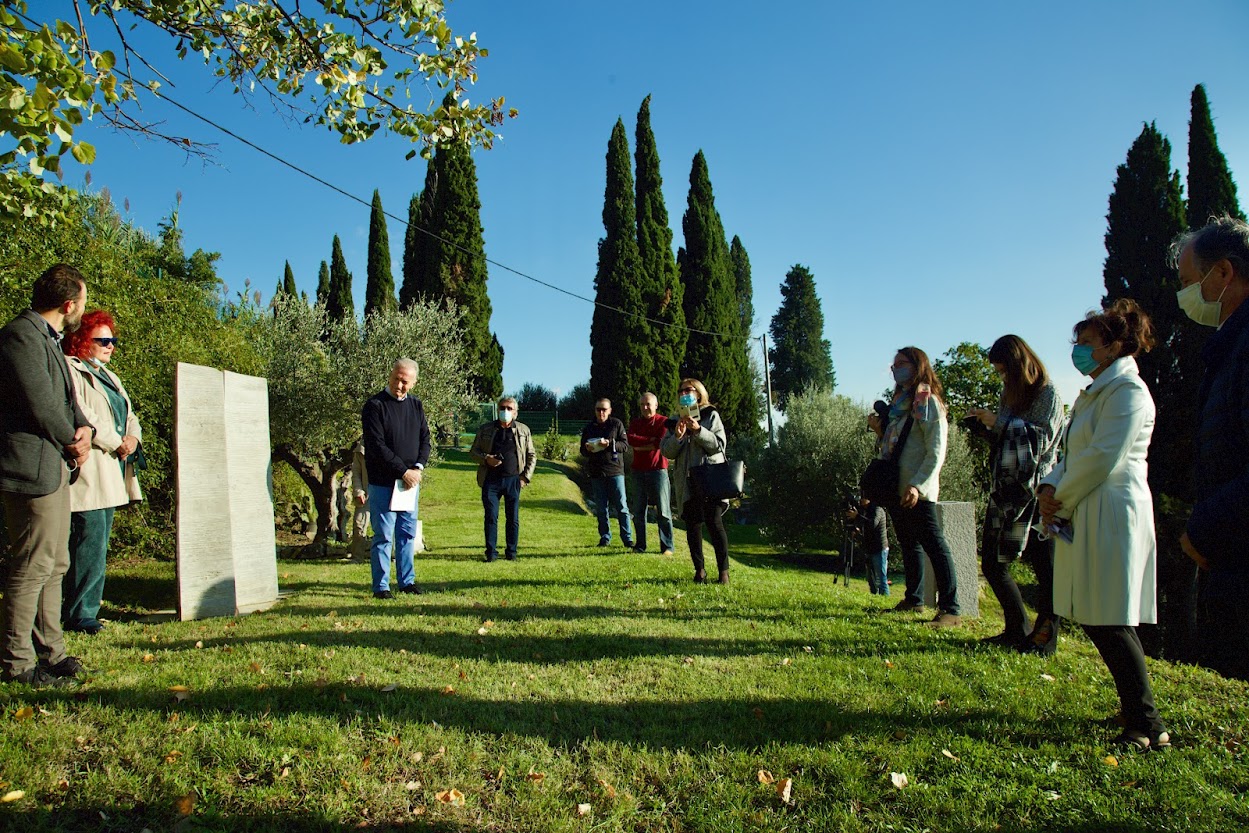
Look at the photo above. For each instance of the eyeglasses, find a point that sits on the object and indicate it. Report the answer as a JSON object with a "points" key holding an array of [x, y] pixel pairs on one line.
{"points": [[602, 409], [507, 408], [106, 342], [688, 390]]}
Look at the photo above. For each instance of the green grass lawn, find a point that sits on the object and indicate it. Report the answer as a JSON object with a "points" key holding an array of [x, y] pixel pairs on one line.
{"points": [[587, 689]]}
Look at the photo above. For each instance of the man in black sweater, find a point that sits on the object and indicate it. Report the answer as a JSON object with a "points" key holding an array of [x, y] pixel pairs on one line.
{"points": [[396, 449]]}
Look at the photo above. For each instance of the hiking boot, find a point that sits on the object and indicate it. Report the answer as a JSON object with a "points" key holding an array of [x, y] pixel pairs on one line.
{"points": [[68, 667], [946, 620], [40, 677]]}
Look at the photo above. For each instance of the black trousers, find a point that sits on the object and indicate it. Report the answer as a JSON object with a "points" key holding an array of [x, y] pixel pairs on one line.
{"points": [[1121, 650], [1038, 553], [919, 533], [697, 512]]}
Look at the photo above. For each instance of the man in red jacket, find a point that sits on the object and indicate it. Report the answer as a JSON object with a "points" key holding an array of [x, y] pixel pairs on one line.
{"points": [[650, 472]]}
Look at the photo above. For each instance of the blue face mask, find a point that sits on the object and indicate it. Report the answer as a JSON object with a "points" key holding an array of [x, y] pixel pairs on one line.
{"points": [[688, 399], [902, 374], [1082, 358]]}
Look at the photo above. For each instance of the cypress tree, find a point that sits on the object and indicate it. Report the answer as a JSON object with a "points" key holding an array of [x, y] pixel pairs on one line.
{"points": [[339, 304], [620, 340], [799, 355], [658, 280], [410, 291], [288, 282], [1211, 193], [711, 306], [379, 288], [452, 265], [1146, 211], [323, 284], [749, 410]]}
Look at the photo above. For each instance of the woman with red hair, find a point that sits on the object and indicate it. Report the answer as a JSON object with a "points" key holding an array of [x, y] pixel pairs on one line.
{"points": [[107, 480]]}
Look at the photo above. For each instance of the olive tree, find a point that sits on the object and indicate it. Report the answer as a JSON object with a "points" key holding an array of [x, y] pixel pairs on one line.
{"points": [[321, 371]]}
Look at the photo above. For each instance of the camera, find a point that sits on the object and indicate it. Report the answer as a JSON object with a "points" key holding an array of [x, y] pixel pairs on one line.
{"points": [[881, 409]]}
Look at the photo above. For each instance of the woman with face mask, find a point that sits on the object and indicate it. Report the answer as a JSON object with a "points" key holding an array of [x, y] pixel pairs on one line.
{"points": [[915, 434], [1097, 503], [107, 480], [1024, 435], [697, 439]]}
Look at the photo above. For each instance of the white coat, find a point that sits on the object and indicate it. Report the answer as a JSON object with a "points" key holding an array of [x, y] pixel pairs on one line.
{"points": [[100, 484], [1106, 576]]}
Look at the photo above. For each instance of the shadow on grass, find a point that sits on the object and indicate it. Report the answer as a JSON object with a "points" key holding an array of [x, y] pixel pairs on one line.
{"points": [[74, 816]]}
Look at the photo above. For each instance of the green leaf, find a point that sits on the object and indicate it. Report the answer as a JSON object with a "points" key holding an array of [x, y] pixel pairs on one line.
{"points": [[105, 61], [11, 59], [84, 152]]}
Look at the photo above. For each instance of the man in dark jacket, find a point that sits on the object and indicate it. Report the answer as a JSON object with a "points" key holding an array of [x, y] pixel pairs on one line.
{"points": [[1214, 275], [44, 436], [396, 450], [503, 449], [604, 441]]}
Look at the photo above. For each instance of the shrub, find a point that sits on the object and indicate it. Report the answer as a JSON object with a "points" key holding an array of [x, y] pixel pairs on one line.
{"points": [[553, 445], [823, 447]]}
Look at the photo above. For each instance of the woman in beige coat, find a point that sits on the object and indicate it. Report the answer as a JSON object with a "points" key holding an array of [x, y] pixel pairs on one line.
{"points": [[107, 480], [1098, 504]]}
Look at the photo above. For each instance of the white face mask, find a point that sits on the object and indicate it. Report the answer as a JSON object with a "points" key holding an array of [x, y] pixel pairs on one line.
{"points": [[505, 415], [1195, 306]]}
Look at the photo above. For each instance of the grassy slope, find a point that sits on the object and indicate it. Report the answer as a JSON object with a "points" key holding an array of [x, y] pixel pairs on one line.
{"points": [[617, 683]]}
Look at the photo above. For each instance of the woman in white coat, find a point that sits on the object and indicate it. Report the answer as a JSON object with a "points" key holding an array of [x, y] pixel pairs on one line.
{"points": [[1098, 504], [107, 480]]}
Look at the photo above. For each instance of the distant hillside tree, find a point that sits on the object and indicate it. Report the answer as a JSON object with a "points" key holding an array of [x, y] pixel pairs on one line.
{"points": [[578, 403], [800, 355], [339, 305], [410, 291], [379, 288], [620, 363], [658, 280], [535, 397], [491, 376], [713, 353], [323, 284], [288, 282]]}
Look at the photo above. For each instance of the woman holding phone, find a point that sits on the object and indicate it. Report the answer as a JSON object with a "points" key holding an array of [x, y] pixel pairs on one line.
{"points": [[1024, 433], [697, 439], [1097, 500]]}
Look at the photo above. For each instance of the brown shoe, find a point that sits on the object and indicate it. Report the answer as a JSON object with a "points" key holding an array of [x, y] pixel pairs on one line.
{"points": [[724, 577], [945, 620], [700, 576]]}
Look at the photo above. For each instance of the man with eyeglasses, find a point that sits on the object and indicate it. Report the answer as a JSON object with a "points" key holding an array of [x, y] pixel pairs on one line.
{"points": [[503, 449], [44, 438], [604, 442]]}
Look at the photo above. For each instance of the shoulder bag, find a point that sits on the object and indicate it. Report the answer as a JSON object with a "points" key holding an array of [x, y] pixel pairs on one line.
{"points": [[881, 479]]}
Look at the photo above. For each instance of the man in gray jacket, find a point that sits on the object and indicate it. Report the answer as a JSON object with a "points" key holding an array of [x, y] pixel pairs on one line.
{"points": [[44, 437], [505, 459]]}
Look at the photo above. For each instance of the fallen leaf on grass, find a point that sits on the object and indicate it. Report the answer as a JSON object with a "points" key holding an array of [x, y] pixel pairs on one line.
{"points": [[412, 786], [185, 804], [149, 658], [24, 713], [688, 660], [765, 777], [255, 666], [62, 785], [888, 664], [786, 661], [173, 756], [453, 797], [583, 810], [607, 788], [949, 754], [482, 631], [808, 649], [1110, 760], [180, 692], [489, 623], [1050, 795], [900, 734], [899, 779], [449, 690], [463, 675], [1049, 678], [199, 643], [417, 757], [784, 789], [535, 777], [389, 687], [285, 773], [14, 795], [757, 712]]}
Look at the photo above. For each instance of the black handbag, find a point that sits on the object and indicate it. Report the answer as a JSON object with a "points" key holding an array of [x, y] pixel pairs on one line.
{"points": [[720, 481], [880, 480]]}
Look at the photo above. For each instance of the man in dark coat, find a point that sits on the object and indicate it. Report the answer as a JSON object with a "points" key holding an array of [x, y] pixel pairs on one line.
{"points": [[44, 437], [605, 442], [396, 450], [1214, 275]]}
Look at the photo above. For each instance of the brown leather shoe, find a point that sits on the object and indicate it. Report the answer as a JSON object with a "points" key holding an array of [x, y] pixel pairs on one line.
{"points": [[700, 576], [724, 577]]}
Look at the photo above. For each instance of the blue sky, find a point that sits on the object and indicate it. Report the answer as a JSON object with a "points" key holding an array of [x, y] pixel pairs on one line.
{"points": [[942, 169]]}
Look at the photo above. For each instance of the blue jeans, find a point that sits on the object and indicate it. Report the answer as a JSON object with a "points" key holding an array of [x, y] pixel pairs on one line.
{"points": [[391, 530], [83, 585], [878, 573], [609, 493], [652, 487], [507, 488], [919, 533]]}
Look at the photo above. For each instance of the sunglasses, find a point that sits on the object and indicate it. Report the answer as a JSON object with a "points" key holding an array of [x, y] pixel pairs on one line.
{"points": [[106, 342]]}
